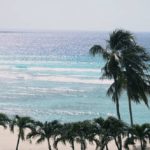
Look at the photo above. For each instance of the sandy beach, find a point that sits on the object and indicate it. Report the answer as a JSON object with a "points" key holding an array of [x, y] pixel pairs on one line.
{"points": [[8, 141]]}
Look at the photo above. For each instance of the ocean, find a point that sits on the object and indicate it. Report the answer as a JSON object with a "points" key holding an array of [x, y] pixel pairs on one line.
{"points": [[50, 75]]}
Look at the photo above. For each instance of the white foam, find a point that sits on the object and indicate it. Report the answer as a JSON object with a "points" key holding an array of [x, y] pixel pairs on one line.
{"points": [[54, 90], [63, 69], [66, 79], [73, 113], [73, 80], [14, 75]]}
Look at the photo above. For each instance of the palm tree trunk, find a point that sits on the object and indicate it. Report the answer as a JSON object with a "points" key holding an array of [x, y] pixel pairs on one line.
{"points": [[72, 145], [106, 147], [117, 107], [130, 111], [116, 143], [49, 146], [18, 140], [141, 144], [117, 99], [82, 145], [118, 111]]}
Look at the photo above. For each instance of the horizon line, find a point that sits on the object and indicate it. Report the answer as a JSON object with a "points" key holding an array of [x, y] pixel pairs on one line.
{"points": [[61, 30]]}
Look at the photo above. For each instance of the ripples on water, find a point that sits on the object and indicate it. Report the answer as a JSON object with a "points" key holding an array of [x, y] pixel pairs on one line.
{"points": [[51, 76]]}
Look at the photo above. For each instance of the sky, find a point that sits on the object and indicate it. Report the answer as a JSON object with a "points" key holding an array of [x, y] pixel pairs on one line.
{"points": [[92, 15]]}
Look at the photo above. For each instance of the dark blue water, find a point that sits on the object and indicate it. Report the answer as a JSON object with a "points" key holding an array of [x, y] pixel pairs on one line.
{"points": [[51, 76]]}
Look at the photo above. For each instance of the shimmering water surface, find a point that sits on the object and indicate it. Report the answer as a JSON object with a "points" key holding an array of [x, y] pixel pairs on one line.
{"points": [[51, 75]]}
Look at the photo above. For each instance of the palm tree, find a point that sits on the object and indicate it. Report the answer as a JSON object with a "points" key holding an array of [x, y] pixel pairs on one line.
{"points": [[139, 132], [137, 79], [4, 120], [22, 123], [101, 132], [127, 65], [83, 131], [44, 131], [114, 129], [119, 39], [81, 134], [93, 132], [66, 134]]}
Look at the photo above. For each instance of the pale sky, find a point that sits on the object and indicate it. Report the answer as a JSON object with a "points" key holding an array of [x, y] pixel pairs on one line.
{"points": [[99, 15]]}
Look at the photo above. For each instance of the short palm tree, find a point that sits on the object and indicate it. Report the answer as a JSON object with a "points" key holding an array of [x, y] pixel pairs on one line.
{"points": [[83, 133], [101, 132], [4, 120], [114, 129], [66, 134], [44, 131], [93, 131], [139, 132], [22, 123]]}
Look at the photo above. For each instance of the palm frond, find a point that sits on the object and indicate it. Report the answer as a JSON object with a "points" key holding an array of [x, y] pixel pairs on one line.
{"points": [[40, 140], [120, 39], [97, 49]]}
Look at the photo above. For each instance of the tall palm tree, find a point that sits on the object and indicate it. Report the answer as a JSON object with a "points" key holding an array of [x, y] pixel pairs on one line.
{"points": [[22, 123], [4, 120], [119, 39], [128, 68], [134, 62], [44, 131], [135, 78], [139, 132], [111, 70]]}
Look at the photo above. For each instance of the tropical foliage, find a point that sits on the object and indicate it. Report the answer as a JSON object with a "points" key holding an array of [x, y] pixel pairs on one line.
{"points": [[127, 65], [4, 120], [22, 123], [66, 134], [138, 132], [44, 131], [99, 132]]}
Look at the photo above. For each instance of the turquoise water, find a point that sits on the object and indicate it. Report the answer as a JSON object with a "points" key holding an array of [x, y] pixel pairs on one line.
{"points": [[52, 76]]}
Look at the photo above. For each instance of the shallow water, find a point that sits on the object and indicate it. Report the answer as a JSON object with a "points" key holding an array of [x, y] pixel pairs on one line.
{"points": [[52, 76]]}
